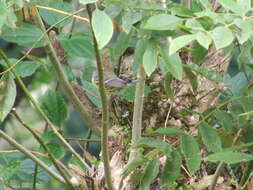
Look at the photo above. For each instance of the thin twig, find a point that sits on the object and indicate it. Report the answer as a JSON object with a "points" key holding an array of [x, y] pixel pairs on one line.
{"points": [[63, 12], [43, 145], [28, 153], [37, 41], [105, 108], [81, 139], [42, 113]]}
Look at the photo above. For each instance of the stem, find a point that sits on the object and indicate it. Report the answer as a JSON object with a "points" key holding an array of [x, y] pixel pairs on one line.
{"points": [[42, 113], [137, 115], [216, 175], [222, 164], [43, 145], [35, 176], [31, 156], [66, 85], [105, 108]]}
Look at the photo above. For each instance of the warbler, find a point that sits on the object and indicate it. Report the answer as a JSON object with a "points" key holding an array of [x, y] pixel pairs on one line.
{"points": [[113, 83]]}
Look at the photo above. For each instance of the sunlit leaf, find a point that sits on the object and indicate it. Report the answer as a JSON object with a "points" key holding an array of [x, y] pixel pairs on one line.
{"points": [[229, 157], [231, 5], [103, 27], [162, 22], [3, 11], [222, 37], [179, 42], [246, 30], [172, 63], [204, 39], [84, 2], [150, 57]]}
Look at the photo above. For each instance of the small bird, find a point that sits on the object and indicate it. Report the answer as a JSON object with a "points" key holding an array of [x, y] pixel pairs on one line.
{"points": [[113, 83]]}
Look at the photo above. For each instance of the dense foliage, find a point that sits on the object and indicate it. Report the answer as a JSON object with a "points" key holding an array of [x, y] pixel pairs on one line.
{"points": [[187, 126]]}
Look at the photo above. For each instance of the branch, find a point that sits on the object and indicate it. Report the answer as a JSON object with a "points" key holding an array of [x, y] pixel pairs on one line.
{"points": [[105, 109], [137, 116], [31, 156], [43, 145], [66, 85], [42, 113]]}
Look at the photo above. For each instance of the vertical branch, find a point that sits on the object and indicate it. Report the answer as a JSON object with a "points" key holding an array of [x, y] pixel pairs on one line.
{"points": [[105, 108], [137, 117], [65, 84]]}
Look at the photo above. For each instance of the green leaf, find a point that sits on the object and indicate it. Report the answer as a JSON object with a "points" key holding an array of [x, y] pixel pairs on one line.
{"points": [[9, 170], [149, 174], [181, 11], [172, 63], [244, 5], [56, 150], [23, 68], [140, 48], [231, 5], [7, 95], [222, 37], [150, 57], [102, 26], [229, 157], [211, 75], [204, 39], [48, 136], [129, 92], [167, 85], [129, 18], [25, 35], [3, 11], [52, 17], [171, 170], [193, 24], [210, 137], [138, 161], [162, 22], [166, 131], [120, 45], [245, 56], [226, 120], [54, 106], [180, 42], [92, 93], [191, 152], [79, 45], [246, 30], [84, 2], [153, 143], [206, 4], [192, 78], [198, 52]]}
